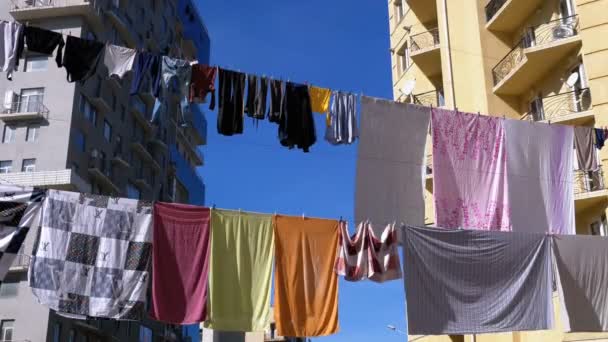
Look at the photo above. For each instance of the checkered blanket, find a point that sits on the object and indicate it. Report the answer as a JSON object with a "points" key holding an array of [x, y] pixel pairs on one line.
{"points": [[364, 256], [19, 208], [92, 255]]}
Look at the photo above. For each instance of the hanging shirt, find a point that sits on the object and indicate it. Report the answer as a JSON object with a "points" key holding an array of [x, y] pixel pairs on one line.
{"points": [[365, 256], [181, 263], [45, 42], [231, 102], [175, 76], [81, 57], [305, 284], [202, 83], [275, 112], [19, 210], [319, 97], [12, 32], [92, 256], [582, 281], [343, 120], [469, 171], [119, 60], [585, 151], [600, 138], [146, 68], [297, 124], [389, 183], [242, 250], [476, 282]]}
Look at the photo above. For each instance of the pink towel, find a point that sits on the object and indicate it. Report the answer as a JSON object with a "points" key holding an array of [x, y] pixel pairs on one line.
{"points": [[181, 263], [469, 171]]}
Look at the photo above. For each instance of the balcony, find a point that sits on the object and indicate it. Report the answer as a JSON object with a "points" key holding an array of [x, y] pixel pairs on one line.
{"points": [[62, 180], [139, 147], [189, 48], [197, 127], [124, 26], [425, 10], [120, 159], [193, 150], [140, 111], [159, 139], [101, 170], [21, 262], [425, 52], [589, 188], [508, 15], [431, 98], [573, 107], [98, 101], [539, 52], [26, 108], [27, 10]]}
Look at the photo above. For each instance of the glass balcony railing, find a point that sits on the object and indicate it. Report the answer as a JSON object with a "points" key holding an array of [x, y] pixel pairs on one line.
{"points": [[555, 106], [424, 40], [535, 36]]}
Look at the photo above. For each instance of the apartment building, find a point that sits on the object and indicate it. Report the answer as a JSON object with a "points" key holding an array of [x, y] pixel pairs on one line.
{"points": [[94, 137], [538, 60]]}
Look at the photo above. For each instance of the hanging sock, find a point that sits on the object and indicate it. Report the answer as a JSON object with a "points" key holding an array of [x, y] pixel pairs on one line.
{"points": [[319, 97], [181, 257], [342, 122], [81, 57], [118, 60], [231, 102], [242, 250], [92, 256], [365, 256], [45, 42], [202, 83], [19, 210], [305, 284], [12, 32]]}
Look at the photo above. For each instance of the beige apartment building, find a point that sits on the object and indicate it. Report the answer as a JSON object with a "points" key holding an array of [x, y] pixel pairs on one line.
{"points": [[539, 60]]}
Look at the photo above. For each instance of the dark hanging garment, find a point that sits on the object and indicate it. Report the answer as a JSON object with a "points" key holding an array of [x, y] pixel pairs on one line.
{"points": [[261, 99], [81, 57], [202, 83], [44, 41], [585, 153], [600, 138], [231, 102], [297, 125], [276, 101], [257, 92], [146, 64], [252, 89]]}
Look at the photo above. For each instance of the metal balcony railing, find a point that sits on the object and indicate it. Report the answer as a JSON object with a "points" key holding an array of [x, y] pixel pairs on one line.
{"points": [[30, 4], [30, 104], [588, 181], [552, 31], [554, 106], [431, 98], [424, 40], [493, 7]]}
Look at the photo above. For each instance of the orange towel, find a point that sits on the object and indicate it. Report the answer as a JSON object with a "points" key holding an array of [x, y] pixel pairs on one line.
{"points": [[306, 286]]}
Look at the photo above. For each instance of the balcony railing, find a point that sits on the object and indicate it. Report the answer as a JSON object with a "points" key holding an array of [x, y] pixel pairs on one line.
{"points": [[31, 4], [554, 106], [588, 181], [432, 98], [424, 40], [535, 36], [29, 105], [493, 7]]}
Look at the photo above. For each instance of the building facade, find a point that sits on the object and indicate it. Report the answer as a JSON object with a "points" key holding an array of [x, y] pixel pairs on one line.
{"points": [[93, 137], [539, 60]]}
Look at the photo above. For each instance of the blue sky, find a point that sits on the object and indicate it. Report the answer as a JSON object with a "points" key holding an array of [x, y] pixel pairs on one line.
{"points": [[338, 44]]}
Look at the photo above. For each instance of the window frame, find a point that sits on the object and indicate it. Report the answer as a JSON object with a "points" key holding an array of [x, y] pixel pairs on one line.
{"points": [[4, 329], [30, 167], [8, 168], [35, 57], [11, 136], [36, 132], [107, 130]]}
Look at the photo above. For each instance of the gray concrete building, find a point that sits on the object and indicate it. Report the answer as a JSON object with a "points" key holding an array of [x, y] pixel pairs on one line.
{"points": [[93, 137]]}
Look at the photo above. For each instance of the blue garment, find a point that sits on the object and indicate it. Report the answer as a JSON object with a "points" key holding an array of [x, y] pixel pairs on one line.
{"points": [[146, 64], [175, 74], [600, 137]]}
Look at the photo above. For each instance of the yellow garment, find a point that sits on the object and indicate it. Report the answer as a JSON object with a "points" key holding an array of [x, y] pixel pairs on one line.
{"points": [[319, 98], [305, 284]]}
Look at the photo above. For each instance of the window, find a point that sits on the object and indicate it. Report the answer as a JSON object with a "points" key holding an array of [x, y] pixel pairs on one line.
{"points": [[32, 133], [29, 165], [31, 100], [399, 11], [9, 289], [6, 166], [56, 332], [6, 330], [403, 59], [36, 63], [9, 134], [80, 141], [88, 110], [133, 193], [145, 334], [107, 130]]}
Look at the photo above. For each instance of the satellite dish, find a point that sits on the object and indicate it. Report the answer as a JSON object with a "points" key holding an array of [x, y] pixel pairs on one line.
{"points": [[572, 79], [408, 87]]}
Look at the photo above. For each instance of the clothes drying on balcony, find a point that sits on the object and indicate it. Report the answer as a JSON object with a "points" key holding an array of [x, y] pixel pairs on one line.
{"points": [[119, 60], [12, 33], [601, 134], [342, 129], [19, 209], [45, 42], [81, 57], [585, 149]]}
